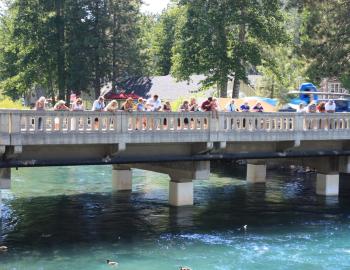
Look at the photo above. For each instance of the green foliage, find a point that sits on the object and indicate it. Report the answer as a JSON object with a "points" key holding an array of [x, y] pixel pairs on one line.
{"points": [[326, 39], [222, 39], [6, 103], [68, 45], [163, 40]]}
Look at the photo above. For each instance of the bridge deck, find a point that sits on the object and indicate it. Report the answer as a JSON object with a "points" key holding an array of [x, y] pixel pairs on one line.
{"points": [[30, 138]]}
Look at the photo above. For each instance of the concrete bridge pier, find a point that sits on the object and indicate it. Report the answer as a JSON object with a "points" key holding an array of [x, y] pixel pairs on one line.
{"points": [[5, 178], [256, 172], [5, 183], [327, 184], [0, 204], [180, 193], [181, 176], [121, 178]]}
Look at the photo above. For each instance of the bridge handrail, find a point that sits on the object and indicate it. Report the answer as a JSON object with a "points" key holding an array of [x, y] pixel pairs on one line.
{"points": [[15, 123]]}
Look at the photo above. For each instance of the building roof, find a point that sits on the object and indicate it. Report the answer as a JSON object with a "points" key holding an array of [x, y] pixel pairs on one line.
{"points": [[165, 86]]}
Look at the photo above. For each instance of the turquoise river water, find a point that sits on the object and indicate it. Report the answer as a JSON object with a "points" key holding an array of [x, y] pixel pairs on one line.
{"points": [[68, 218]]}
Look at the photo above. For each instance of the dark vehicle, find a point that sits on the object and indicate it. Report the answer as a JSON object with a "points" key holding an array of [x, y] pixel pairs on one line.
{"points": [[342, 105]]}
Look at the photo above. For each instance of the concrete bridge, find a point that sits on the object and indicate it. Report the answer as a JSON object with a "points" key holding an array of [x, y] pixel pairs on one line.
{"points": [[178, 144]]}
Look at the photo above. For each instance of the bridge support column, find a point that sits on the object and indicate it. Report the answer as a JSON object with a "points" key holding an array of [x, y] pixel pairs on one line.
{"points": [[5, 178], [0, 204], [327, 184], [121, 178], [344, 165], [180, 193], [256, 173]]}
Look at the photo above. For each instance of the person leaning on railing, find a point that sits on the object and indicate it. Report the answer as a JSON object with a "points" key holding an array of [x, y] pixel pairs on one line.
{"points": [[98, 106], [112, 106], [78, 105], [185, 107], [40, 106], [61, 106], [128, 105]]}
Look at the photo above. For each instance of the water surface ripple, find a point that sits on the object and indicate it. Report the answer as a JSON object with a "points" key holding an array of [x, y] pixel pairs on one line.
{"points": [[68, 218]]}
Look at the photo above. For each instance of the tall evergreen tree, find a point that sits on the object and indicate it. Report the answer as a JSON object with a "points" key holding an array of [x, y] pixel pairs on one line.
{"points": [[224, 39]]}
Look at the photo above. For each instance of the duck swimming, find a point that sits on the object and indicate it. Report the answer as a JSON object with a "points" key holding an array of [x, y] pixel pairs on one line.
{"points": [[3, 248], [109, 262]]}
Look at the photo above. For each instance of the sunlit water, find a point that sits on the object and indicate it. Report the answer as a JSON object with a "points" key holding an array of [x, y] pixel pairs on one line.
{"points": [[68, 218]]}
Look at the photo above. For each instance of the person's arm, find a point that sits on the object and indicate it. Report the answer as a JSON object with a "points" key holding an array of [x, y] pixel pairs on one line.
{"points": [[94, 106]]}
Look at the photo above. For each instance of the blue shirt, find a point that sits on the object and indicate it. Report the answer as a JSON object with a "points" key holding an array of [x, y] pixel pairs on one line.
{"points": [[245, 108]]}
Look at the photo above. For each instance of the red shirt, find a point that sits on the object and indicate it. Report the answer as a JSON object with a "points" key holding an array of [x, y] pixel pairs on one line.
{"points": [[206, 106]]}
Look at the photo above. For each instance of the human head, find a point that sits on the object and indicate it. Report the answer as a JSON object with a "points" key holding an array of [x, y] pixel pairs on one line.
{"points": [[129, 100], [101, 99], [186, 102], [42, 99], [210, 99], [193, 100], [140, 100], [79, 101], [232, 101], [114, 102], [330, 101], [167, 103], [155, 97]]}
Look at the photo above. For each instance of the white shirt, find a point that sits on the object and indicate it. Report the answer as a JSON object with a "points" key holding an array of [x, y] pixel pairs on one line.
{"points": [[330, 107], [154, 105], [231, 107], [97, 106]]}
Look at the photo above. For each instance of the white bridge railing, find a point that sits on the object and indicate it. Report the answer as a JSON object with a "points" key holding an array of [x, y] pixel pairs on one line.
{"points": [[30, 127]]}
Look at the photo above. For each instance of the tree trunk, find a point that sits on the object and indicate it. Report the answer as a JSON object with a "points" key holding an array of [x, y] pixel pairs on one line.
{"points": [[222, 88], [114, 45], [272, 94], [59, 6], [238, 76], [236, 87], [97, 79]]}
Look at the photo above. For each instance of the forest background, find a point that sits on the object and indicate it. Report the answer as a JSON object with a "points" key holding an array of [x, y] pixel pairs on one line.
{"points": [[80, 45]]}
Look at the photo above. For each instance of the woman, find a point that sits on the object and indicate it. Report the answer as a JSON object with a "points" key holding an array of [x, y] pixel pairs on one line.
{"points": [[112, 106], [60, 106], [258, 108], [140, 106], [167, 107], [321, 107], [194, 107], [185, 107], [40, 104], [128, 105], [78, 105]]}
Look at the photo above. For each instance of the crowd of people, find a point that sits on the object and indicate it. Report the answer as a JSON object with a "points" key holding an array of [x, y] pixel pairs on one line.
{"points": [[321, 107], [154, 104]]}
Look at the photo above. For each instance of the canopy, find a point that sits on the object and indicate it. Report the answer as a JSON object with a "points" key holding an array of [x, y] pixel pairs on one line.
{"points": [[111, 95]]}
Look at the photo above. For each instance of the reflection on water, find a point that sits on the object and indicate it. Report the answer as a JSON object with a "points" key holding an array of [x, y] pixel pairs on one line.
{"points": [[68, 218]]}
